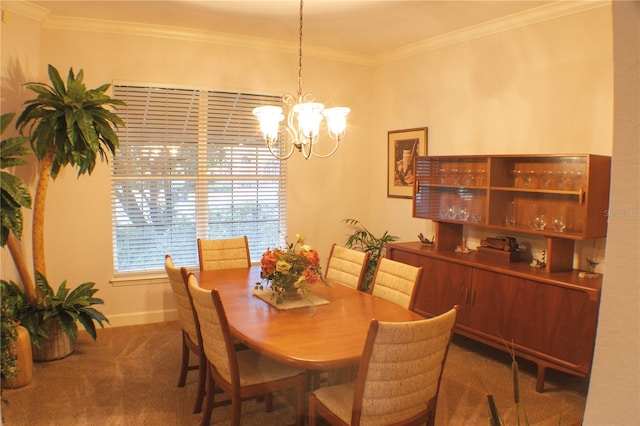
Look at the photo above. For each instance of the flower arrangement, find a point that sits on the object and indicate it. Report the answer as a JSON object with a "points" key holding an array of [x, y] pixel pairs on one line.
{"points": [[291, 269]]}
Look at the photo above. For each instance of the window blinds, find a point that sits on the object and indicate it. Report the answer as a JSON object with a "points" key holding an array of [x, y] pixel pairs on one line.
{"points": [[191, 164]]}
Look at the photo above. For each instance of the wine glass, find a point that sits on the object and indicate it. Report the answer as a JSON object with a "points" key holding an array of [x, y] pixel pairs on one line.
{"points": [[559, 224], [516, 177], [539, 222]]}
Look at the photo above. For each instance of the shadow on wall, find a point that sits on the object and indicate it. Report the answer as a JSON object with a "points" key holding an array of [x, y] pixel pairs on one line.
{"points": [[13, 95]]}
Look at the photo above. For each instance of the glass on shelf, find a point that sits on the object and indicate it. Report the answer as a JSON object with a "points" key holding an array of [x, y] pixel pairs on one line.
{"points": [[527, 179], [517, 178], [546, 177], [510, 216], [537, 218], [456, 176], [480, 177], [565, 179], [468, 178], [578, 180], [444, 176], [455, 213], [559, 223]]}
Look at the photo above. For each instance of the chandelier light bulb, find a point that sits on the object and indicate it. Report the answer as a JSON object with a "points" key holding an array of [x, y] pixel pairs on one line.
{"points": [[309, 117], [269, 117], [336, 121]]}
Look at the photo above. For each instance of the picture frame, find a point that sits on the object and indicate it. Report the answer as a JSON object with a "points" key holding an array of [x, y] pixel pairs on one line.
{"points": [[403, 147]]}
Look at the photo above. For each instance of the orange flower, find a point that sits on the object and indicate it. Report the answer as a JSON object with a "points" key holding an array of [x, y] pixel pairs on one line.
{"points": [[310, 276], [268, 262], [312, 257]]}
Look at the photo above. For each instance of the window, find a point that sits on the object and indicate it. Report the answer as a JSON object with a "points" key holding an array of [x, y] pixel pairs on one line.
{"points": [[191, 164]]}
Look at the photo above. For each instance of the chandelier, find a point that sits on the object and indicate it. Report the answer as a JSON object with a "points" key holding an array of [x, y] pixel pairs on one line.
{"points": [[304, 116]]}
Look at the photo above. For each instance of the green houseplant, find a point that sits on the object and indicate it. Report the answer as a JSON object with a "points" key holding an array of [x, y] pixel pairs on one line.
{"points": [[8, 336], [66, 307], [68, 125], [15, 195], [362, 239], [17, 362]]}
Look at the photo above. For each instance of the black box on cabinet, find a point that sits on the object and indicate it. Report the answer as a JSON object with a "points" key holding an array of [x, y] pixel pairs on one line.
{"points": [[500, 256]]}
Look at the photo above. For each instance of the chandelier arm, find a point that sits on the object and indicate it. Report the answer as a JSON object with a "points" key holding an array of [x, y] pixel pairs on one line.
{"points": [[280, 157], [306, 154], [335, 148]]}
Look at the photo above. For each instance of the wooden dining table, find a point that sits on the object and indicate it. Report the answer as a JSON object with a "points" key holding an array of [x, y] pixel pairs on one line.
{"points": [[318, 337]]}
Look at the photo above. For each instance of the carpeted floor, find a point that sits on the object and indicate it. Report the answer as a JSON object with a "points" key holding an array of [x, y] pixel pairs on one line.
{"points": [[129, 375]]}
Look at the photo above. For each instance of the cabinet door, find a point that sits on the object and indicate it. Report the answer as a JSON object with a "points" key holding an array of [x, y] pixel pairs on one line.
{"points": [[557, 321], [442, 285]]}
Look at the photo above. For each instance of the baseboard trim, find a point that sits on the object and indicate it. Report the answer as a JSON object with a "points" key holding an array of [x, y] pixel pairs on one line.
{"points": [[138, 318]]}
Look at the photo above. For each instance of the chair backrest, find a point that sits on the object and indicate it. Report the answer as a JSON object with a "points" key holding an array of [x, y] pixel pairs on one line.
{"points": [[223, 254], [186, 313], [396, 282], [401, 370], [346, 266], [214, 329]]}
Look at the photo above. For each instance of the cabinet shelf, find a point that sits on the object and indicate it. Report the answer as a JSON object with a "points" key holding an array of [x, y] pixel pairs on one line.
{"points": [[577, 193], [560, 197]]}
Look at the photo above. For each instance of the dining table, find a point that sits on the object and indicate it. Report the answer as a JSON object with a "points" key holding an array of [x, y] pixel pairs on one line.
{"points": [[320, 336]]}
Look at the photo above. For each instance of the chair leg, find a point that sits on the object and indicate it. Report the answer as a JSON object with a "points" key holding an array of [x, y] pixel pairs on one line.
{"points": [[301, 393], [268, 402], [202, 380], [185, 363], [312, 410], [235, 411], [208, 408]]}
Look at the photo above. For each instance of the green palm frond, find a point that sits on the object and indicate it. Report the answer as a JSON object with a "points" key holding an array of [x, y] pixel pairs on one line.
{"points": [[72, 119], [14, 191]]}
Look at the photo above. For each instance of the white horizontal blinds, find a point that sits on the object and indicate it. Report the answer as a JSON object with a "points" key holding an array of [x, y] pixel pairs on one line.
{"points": [[189, 166], [244, 185]]}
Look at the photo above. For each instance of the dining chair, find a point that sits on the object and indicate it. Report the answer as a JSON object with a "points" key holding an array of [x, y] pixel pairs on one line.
{"points": [[346, 266], [240, 374], [398, 378], [224, 253], [191, 340], [396, 282]]}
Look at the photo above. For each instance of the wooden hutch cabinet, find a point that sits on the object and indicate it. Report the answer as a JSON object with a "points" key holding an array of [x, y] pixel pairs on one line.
{"points": [[549, 315]]}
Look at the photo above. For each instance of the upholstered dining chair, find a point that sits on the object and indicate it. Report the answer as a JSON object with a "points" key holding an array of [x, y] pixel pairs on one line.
{"points": [[346, 266], [396, 282], [224, 253], [191, 341], [240, 374], [398, 378]]}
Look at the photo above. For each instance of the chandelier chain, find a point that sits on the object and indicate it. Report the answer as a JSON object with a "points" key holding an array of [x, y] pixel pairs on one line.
{"points": [[300, 54]]}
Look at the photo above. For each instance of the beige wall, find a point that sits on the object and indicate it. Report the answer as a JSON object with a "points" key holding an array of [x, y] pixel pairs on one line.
{"points": [[543, 88], [615, 385]]}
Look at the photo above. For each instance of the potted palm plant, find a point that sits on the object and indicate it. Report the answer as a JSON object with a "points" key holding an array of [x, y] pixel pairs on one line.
{"points": [[362, 239], [67, 125]]}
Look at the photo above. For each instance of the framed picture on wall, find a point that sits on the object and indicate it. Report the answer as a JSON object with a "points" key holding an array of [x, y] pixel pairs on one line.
{"points": [[404, 147]]}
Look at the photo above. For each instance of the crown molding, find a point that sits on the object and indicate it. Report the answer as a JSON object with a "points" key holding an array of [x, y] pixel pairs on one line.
{"points": [[517, 20], [193, 35], [26, 9], [532, 16]]}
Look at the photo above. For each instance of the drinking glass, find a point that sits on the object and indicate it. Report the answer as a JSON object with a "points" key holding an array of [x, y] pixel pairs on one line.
{"points": [[558, 223], [510, 217], [539, 222]]}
